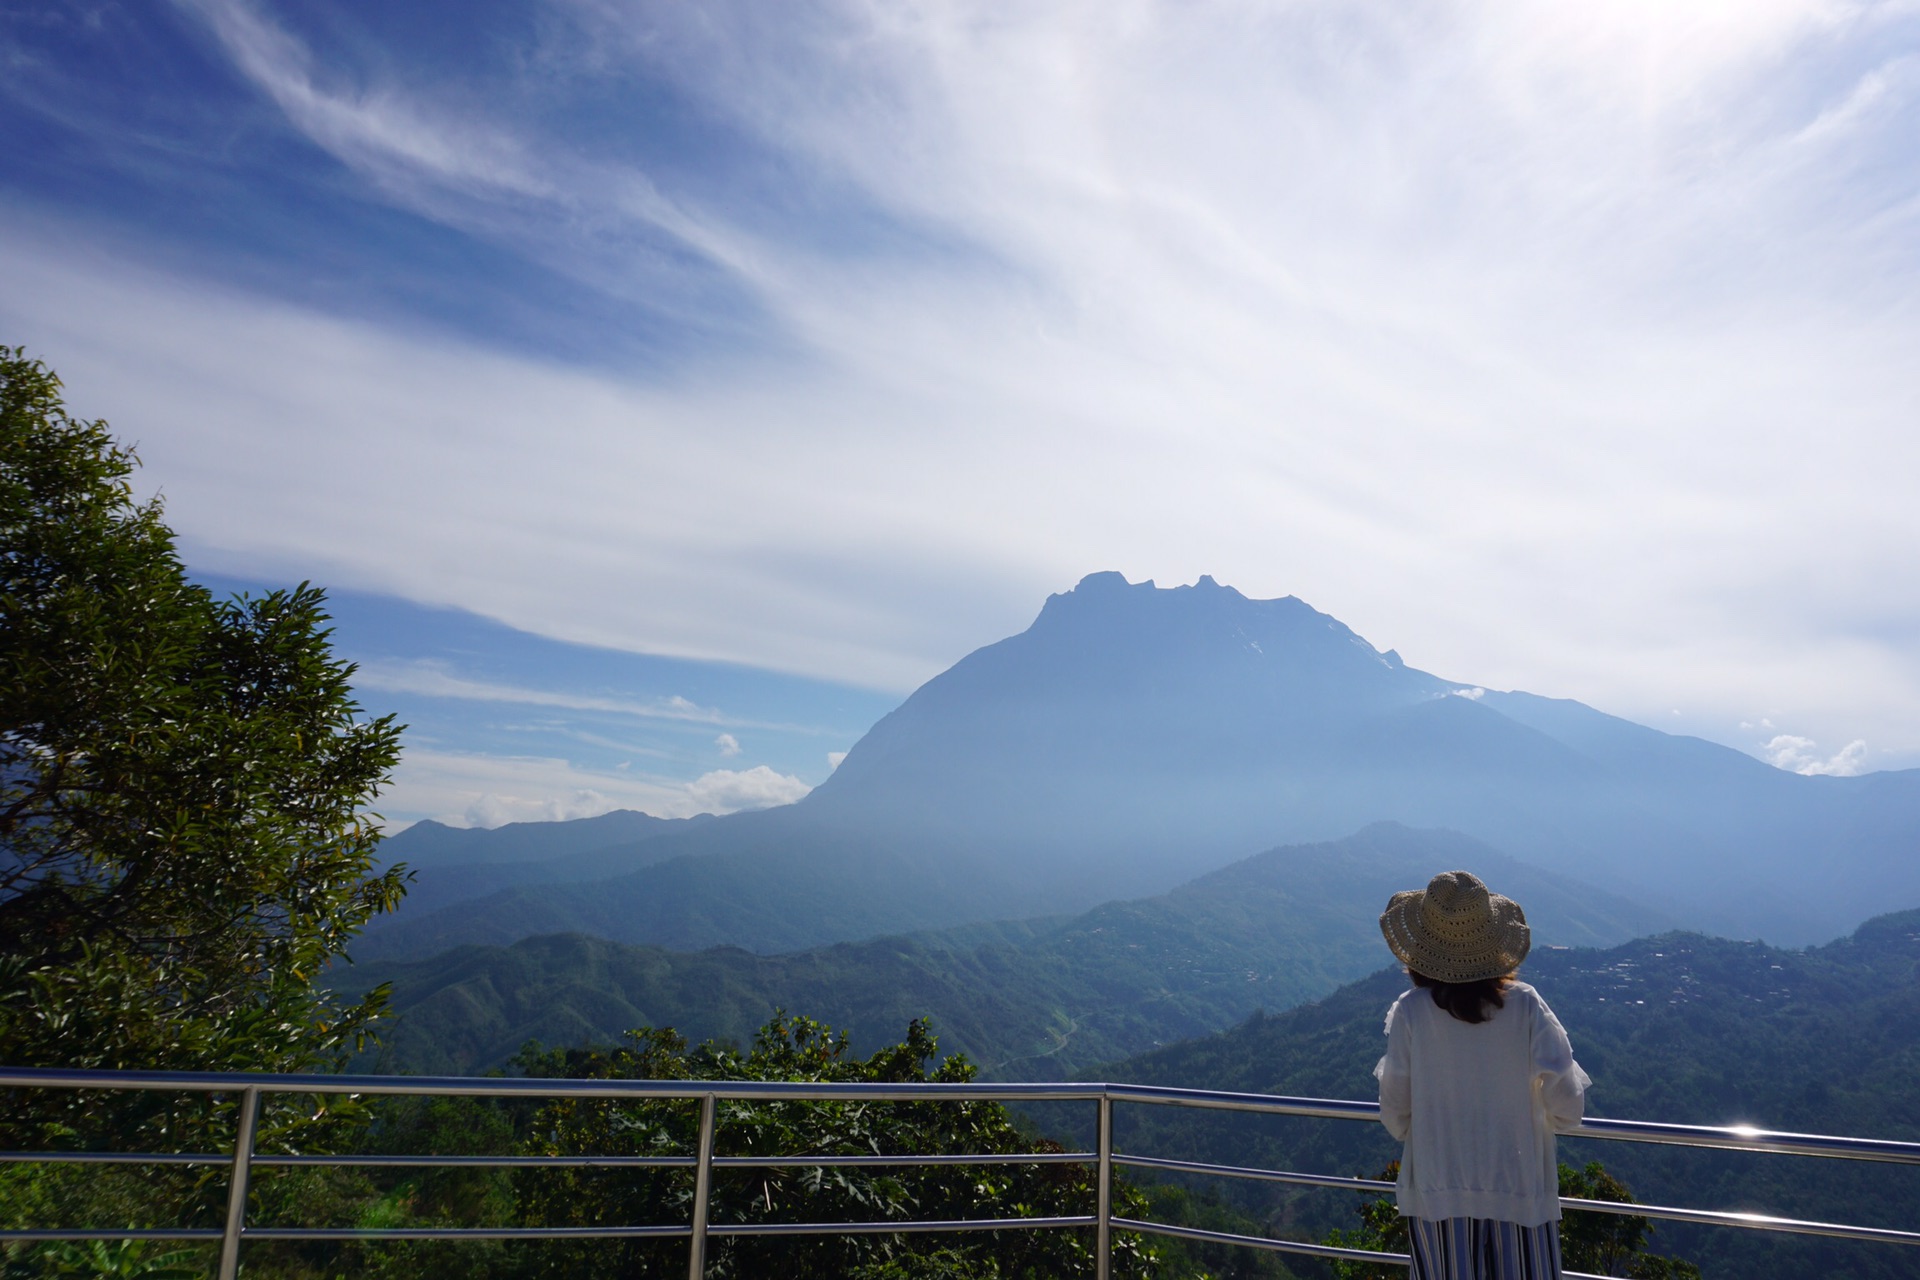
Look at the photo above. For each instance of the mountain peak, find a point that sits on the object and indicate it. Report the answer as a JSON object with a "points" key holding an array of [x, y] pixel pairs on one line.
{"points": [[1192, 693], [1112, 582], [1108, 580], [1109, 590], [1202, 623]]}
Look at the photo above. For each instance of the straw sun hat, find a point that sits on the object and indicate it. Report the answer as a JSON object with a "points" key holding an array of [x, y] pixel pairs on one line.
{"points": [[1455, 931]]}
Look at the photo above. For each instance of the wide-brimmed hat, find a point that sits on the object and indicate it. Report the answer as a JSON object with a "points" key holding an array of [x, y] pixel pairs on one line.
{"points": [[1455, 931]]}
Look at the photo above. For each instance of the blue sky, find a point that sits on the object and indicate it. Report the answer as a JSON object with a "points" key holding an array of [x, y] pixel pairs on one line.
{"points": [[505, 725], [772, 357]]}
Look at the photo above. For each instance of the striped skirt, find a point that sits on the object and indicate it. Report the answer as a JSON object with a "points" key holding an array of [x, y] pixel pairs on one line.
{"points": [[1482, 1249]]}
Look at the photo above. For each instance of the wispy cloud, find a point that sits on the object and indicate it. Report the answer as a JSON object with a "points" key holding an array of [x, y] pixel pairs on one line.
{"points": [[434, 680], [380, 132], [1562, 348]]}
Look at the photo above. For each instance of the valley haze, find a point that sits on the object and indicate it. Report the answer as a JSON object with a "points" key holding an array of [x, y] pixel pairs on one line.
{"points": [[1135, 737]]}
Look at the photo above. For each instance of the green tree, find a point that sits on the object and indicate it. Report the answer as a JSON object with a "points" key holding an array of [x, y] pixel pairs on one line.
{"points": [[1208, 1210], [789, 1049], [120, 1260], [1381, 1229], [1611, 1244], [183, 847]]}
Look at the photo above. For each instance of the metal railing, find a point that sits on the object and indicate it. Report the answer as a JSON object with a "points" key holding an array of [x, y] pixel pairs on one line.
{"points": [[250, 1089]]}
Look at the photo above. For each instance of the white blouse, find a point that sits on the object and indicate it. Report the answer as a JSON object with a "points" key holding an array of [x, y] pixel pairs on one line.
{"points": [[1477, 1105]]}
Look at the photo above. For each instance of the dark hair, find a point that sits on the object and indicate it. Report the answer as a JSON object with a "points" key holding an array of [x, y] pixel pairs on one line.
{"points": [[1466, 1001]]}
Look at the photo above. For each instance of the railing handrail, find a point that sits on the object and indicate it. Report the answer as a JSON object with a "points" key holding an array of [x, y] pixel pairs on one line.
{"points": [[1724, 1137], [251, 1089]]}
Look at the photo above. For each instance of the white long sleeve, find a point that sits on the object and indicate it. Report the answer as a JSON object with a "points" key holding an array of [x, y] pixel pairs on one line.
{"points": [[1395, 1074], [1477, 1105], [1562, 1083]]}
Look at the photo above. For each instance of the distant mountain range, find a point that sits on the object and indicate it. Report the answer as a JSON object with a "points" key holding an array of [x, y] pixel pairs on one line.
{"points": [[458, 864], [1680, 1028], [434, 844], [1026, 999], [1133, 738]]}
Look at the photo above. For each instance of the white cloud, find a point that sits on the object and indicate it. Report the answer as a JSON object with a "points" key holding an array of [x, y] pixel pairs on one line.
{"points": [[491, 810], [471, 789], [1514, 322], [1802, 755], [432, 679], [384, 133], [834, 758], [725, 790], [728, 744], [447, 161], [1471, 695]]}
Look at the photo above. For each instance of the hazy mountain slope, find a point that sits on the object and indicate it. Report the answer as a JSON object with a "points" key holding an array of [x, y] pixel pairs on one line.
{"points": [[1678, 1028], [430, 843], [1129, 723], [459, 864], [1024, 998], [1133, 738], [783, 883]]}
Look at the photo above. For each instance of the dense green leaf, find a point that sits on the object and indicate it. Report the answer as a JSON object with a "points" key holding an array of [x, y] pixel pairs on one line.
{"points": [[183, 842]]}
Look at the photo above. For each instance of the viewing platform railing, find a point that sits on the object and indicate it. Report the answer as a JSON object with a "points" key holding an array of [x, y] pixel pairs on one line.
{"points": [[249, 1089]]}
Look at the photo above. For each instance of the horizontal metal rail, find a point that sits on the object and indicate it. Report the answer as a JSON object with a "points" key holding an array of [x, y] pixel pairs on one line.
{"points": [[537, 1087], [1705, 1217], [249, 1089], [543, 1162], [1725, 1137], [669, 1231], [1333, 1251], [111, 1233], [889, 1228], [1259, 1175], [1728, 1137]]}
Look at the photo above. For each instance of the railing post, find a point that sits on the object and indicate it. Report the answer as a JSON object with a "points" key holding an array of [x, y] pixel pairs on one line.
{"points": [[237, 1183], [702, 1186], [1103, 1234]]}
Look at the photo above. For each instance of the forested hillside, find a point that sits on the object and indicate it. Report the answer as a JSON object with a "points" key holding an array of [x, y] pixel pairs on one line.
{"points": [[1034, 999], [1678, 1028]]}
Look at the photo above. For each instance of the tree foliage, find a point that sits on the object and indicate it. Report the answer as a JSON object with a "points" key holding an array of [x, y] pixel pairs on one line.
{"points": [[1611, 1244], [800, 1049], [183, 846], [1381, 1229], [786, 1048]]}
